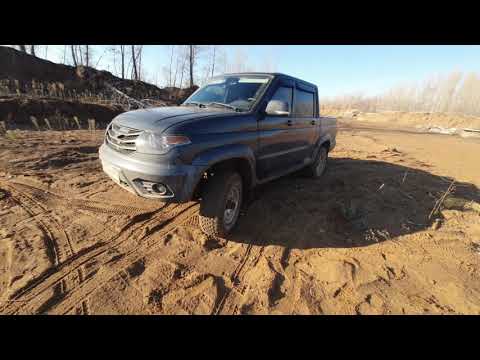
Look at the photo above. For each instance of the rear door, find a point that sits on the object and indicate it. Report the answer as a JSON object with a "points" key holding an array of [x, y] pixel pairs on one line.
{"points": [[306, 122], [276, 135]]}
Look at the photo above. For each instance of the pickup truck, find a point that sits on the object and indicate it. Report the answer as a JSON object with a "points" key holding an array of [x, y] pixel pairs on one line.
{"points": [[235, 132]]}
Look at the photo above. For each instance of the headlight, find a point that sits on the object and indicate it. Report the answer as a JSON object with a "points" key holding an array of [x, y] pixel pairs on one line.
{"points": [[151, 143]]}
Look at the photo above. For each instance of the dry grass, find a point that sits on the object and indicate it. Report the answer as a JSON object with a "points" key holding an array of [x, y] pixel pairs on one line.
{"points": [[91, 124], [34, 121], [438, 204], [47, 122], [77, 122]]}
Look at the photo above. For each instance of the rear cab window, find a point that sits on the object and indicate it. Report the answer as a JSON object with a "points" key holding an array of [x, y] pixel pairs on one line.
{"points": [[304, 103]]}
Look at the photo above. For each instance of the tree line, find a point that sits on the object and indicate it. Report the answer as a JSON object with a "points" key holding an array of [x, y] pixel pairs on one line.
{"points": [[186, 65], [127, 59], [456, 92]]}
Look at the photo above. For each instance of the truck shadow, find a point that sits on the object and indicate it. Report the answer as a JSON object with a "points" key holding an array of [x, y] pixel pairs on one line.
{"points": [[356, 203]]}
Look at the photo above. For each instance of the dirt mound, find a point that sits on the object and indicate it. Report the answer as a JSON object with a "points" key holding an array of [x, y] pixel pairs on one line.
{"points": [[29, 74], [16, 113], [30, 86]]}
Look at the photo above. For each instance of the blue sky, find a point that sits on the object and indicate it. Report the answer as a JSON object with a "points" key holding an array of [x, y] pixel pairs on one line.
{"points": [[370, 69], [335, 69]]}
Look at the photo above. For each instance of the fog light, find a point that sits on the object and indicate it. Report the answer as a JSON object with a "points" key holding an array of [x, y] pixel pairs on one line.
{"points": [[160, 188]]}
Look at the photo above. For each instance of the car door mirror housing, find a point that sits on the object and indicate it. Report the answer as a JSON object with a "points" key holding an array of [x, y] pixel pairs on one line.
{"points": [[277, 108]]}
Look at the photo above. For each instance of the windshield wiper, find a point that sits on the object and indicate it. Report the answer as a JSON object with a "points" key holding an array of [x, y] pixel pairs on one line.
{"points": [[194, 103], [224, 105]]}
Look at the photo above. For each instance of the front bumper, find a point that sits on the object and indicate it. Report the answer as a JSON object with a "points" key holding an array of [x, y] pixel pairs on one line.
{"points": [[132, 173]]}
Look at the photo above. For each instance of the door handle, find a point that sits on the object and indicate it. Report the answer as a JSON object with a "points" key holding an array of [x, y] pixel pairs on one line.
{"points": [[289, 122], [313, 122]]}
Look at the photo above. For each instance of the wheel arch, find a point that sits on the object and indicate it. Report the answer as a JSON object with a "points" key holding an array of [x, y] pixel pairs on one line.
{"points": [[238, 158]]}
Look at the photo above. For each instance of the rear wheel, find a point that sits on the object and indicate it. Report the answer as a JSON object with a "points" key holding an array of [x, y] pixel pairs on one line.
{"points": [[220, 204], [317, 168]]}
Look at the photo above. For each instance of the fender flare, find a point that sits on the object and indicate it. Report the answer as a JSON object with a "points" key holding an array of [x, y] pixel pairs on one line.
{"points": [[208, 158], [322, 140]]}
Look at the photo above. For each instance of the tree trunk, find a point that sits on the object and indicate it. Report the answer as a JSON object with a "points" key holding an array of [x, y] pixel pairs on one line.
{"points": [[213, 60], [139, 62], [176, 71], [183, 70], [81, 55], [74, 58], [87, 58], [191, 65], [22, 48], [32, 50], [134, 63], [170, 68], [122, 52]]}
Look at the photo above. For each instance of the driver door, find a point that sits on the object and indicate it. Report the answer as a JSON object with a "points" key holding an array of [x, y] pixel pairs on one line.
{"points": [[277, 138]]}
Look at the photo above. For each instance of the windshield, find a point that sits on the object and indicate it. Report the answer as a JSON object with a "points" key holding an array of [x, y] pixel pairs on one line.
{"points": [[235, 92]]}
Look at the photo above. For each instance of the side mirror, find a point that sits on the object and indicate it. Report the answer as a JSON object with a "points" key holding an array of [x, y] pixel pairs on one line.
{"points": [[277, 108]]}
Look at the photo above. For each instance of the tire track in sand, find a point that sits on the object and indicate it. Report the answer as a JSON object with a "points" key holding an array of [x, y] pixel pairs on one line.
{"points": [[52, 199], [58, 244], [29, 298], [231, 304], [228, 303], [132, 254], [44, 199]]}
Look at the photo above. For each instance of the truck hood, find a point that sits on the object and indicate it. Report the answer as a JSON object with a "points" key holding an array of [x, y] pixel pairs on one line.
{"points": [[161, 118]]}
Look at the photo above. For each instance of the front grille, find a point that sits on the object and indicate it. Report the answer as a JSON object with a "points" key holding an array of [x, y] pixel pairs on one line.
{"points": [[122, 138]]}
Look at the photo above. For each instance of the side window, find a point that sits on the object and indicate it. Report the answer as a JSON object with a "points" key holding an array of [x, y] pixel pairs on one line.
{"points": [[284, 94], [304, 103]]}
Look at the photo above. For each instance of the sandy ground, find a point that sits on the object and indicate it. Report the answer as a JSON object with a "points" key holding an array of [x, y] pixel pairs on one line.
{"points": [[357, 241], [410, 119]]}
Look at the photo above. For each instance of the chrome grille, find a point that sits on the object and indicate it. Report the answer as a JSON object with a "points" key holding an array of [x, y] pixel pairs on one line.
{"points": [[122, 138]]}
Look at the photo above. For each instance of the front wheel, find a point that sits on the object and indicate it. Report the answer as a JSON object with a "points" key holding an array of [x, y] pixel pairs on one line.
{"points": [[220, 204]]}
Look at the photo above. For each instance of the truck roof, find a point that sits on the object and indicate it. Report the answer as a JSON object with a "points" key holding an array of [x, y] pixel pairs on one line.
{"points": [[275, 74]]}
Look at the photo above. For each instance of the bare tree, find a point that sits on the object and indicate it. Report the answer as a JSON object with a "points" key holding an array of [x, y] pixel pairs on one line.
{"points": [[122, 56], [74, 56], [193, 53], [191, 58], [80, 57], [87, 55], [221, 60], [134, 63], [139, 62], [240, 63], [174, 72], [136, 58], [120, 50], [182, 58], [170, 71], [213, 59], [32, 50], [455, 92], [468, 95], [22, 48], [182, 69]]}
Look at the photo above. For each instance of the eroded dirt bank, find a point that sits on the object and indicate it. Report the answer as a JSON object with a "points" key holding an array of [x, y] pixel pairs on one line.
{"points": [[360, 240]]}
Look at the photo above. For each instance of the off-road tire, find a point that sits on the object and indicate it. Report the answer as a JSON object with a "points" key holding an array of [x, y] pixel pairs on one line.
{"points": [[318, 167], [214, 201]]}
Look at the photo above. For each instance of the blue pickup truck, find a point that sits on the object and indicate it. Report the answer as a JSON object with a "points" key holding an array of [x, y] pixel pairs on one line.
{"points": [[235, 132]]}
